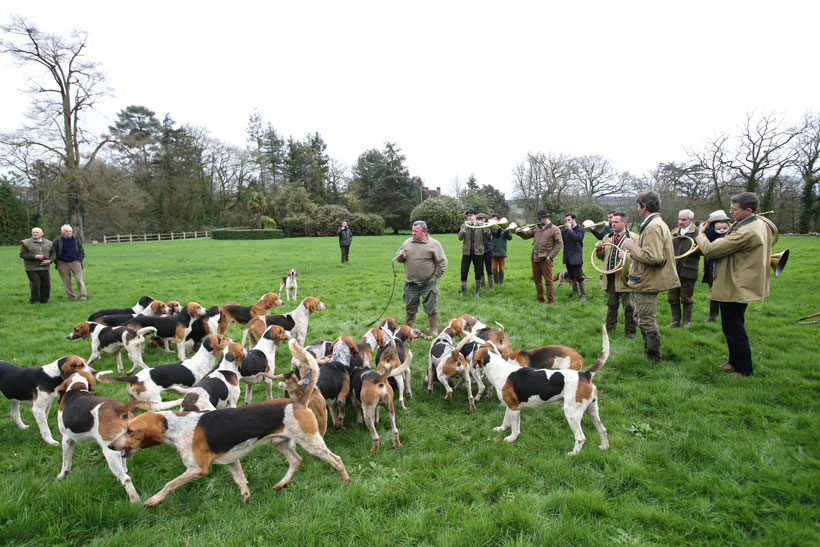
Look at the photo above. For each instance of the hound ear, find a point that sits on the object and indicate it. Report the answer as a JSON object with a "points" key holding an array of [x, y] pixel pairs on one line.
{"points": [[61, 390]]}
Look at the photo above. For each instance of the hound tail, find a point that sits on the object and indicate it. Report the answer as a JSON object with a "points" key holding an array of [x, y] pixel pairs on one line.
{"points": [[295, 349], [602, 357], [408, 358], [145, 330], [103, 377], [154, 407]]}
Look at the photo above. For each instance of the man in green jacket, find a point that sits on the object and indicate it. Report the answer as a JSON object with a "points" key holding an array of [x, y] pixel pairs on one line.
{"points": [[741, 275], [37, 254], [424, 262], [652, 270]]}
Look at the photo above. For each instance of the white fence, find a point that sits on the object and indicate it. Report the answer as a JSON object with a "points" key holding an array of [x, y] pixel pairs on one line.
{"points": [[122, 238]]}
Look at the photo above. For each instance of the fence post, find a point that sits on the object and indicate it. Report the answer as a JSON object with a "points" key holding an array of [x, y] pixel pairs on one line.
{"points": [[145, 237], [131, 238], [118, 238], [172, 236]]}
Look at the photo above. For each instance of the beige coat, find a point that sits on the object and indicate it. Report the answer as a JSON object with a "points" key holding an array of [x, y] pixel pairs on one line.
{"points": [[425, 259], [478, 240], [547, 242], [653, 259], [743, 259], [620, 277]]}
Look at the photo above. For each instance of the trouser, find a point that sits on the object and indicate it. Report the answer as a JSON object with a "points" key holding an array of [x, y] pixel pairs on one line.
{"points": [[345, 252], [498, 264], [39, 285], [576, 272], [682, 294], [646, 310], [543, 270], [613, 301], [427, 291], [732, 317], [66, 269], [478, 266], [488, 264]]}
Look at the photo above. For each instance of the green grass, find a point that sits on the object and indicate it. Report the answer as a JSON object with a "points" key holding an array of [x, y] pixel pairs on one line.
{"points": [[696, 457]]}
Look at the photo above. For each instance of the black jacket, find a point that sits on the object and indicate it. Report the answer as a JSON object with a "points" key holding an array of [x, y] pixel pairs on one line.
{"points": [[58, 248]]}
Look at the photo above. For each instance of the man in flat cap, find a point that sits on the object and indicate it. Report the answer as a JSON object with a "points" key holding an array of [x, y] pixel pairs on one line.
{"points": [[546, 244]]}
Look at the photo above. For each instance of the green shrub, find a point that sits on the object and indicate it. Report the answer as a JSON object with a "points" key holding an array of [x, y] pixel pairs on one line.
{"points": [[267, 222], [366, 225], [294, 226], [246, 233], [325, 220], [443, 215], [590, 211]]}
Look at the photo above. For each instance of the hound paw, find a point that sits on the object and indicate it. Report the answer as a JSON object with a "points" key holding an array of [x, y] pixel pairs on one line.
{"points": [[52, 442], [61, 476], [23, 426], [603, 447], [281, 484], [499, 428], [153, 501], [510, 438]]}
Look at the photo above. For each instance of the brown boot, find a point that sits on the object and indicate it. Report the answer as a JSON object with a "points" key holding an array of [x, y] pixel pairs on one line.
{"points": [[433, 320], [409, 319]]}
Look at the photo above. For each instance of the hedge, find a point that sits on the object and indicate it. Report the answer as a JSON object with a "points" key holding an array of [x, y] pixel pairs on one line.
{"points": [[246, 233], [326, 219]]}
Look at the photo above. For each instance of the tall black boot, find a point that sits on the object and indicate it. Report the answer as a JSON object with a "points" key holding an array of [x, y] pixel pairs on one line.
{"points": [[675, 307], [687, 315], [477, 287], [714, 310]]}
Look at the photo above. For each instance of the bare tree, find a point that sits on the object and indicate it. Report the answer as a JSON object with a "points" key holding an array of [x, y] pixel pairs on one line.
{"points": [[456, 188], [807, 163], [542, 179], [64, 85], [714, 165], [594, 177]]}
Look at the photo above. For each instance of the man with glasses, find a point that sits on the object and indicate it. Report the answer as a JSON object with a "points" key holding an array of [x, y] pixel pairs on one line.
{"points": [[741, 275]]}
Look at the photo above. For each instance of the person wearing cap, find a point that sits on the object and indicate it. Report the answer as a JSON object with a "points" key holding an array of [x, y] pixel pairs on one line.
{"points": [[488, 251], [546, 244], [687, 268], [37, 253], [500, 239], [719, 224], [424, 262], [573, 236], [741, 275], [652, 270], [472, 252]]}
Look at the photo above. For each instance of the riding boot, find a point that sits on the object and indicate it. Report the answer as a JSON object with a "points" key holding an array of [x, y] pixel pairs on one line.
{"points": [[574, 286], [652, 346], [675, 307], [482, 283], [463, 288], [433, 320], [490, 281], [687, 314], [583, 291], [500, 278], [714, 310], [409, 319], [477, 287]]}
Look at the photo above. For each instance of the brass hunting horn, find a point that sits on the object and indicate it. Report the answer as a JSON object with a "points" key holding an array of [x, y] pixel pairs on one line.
{"points": [[620, 262]]}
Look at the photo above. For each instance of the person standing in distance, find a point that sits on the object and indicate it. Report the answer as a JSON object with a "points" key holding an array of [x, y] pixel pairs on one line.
{"points": [[573, 238], [546, 244], [70, 254], [424, 262], [37, 253], [345, 239], [652, 270]]}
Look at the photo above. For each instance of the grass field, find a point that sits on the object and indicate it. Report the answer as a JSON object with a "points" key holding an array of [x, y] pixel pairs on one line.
{"points": [[696, 457]]}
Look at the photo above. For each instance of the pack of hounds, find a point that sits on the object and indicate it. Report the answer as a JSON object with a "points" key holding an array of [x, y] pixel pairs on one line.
{"points": [[211, 428]]}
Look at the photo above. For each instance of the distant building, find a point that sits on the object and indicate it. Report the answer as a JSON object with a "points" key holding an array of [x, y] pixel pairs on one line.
{"points": [[428, 193]]}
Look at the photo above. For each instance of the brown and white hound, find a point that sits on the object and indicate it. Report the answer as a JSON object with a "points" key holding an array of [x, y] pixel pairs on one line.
{"points": [[243, 314], [226, 435], [295, 322], [113, 340], [289, 284]]}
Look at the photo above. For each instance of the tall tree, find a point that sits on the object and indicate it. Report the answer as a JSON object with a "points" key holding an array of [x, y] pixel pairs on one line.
{"points": [[64, 85], [307, 165], [807, 161], [594, 177]]}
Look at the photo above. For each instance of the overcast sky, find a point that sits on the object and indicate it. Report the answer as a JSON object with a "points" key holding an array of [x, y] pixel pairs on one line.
{"points": [[461, 87]]}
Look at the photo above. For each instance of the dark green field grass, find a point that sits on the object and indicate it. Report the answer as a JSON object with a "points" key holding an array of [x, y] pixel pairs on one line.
{"points": [[696, 457]]}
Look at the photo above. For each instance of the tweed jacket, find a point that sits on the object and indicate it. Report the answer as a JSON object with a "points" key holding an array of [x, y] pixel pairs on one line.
{"points": [[743, 258], [687, 267], [653, 258], [546, 242], [29, 248], [609, 262], [478, 240]]}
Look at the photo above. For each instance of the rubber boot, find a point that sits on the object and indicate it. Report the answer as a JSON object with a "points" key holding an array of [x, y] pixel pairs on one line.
{"points": [[490, 281], [583, 291], [463, 288], [433, 320], [675, 315], [574, 286], [500, 278], [482, 283], [652, 346], [477, 287], [714, 311], [409, 319], [687, 315]]}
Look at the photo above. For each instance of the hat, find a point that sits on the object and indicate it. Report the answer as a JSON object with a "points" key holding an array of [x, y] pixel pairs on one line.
{"points": [[718, 216], [496, 215], [481, 215], [470, 211], [542, 214]]}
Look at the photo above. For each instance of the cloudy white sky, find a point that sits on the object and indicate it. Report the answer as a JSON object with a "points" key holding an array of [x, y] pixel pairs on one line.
{"points": [[461, 87]]}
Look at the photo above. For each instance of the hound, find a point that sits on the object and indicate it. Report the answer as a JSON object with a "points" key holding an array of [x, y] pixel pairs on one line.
{"points": [[37, 387], [445, 361], [220, 388], [289, 284], [207, 323], [148, 385], [294, 387], [320, 350], [224, 436], [258, 365], [334, 379], [552, 357], [82, 417], [145, 306], [174, 328], [243, 314], [371, 390], [403, 335], [113, 340], [522, 387], [296, 322], [483, 332]]}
